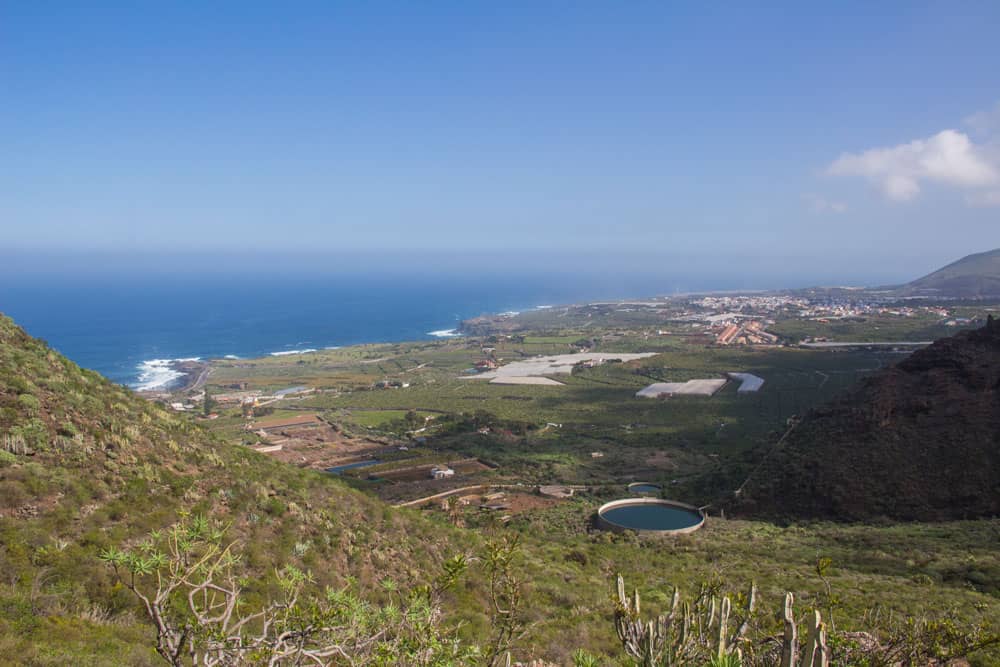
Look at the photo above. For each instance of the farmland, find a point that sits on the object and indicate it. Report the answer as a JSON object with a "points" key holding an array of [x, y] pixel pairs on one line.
{"points": [[590, 430], [575, 419]]}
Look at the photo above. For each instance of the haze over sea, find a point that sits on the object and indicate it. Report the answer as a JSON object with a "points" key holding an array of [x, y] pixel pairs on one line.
{"points": [[127, 324]]}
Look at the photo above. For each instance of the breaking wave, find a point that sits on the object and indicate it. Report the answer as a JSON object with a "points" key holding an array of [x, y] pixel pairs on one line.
{"points": [[159, 373], [444, 333]]}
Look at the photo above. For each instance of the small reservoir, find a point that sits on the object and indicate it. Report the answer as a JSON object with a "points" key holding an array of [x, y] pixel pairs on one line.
{"points": [[336, 470], [644, 488], [650, 514]]}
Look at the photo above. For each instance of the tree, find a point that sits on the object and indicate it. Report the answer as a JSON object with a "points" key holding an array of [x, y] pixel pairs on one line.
{"points": [[187, 581], [506, 596], [413, 420]]}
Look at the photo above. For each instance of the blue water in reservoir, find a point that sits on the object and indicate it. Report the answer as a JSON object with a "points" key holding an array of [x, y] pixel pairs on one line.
{"points": [[652, 517], [643, 488], [336, 470]]}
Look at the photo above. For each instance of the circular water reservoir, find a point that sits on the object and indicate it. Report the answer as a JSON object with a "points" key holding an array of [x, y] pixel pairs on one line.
{"points": [[644, 488], [650, 514]]}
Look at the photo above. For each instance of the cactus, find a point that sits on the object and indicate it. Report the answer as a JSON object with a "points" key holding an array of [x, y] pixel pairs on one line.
{"points": [[789, 646], [689, 633], [817, 652], [698, 633]]}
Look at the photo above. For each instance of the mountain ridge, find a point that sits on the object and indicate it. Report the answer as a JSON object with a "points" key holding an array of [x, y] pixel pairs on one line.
{"points": [[972, 276], [917, 441]]}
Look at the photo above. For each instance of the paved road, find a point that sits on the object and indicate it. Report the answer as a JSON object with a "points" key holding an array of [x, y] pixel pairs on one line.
{"points": [[900, 343], [200, 380]]}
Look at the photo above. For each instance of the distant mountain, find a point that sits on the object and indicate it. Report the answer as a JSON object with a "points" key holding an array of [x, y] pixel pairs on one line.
{"points": [[974, 276], [917, 441]]}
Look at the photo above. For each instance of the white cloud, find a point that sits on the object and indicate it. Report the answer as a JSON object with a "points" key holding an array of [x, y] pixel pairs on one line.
{"points": [[949, 158], [820, 204]]}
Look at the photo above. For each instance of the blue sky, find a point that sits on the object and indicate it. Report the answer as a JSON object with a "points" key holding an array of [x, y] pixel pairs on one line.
{"points": [[858, 139]]}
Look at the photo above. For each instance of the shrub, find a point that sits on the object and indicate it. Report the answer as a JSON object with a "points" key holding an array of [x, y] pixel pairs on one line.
{"points": [[29, 403]]}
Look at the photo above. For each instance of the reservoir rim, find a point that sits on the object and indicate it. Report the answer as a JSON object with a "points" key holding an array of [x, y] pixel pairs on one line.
{"points": [[607, 524]]}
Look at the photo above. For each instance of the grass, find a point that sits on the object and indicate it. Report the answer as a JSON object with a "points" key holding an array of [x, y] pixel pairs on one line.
{"points": [[873, 328], [908, 568], [377, 418]]}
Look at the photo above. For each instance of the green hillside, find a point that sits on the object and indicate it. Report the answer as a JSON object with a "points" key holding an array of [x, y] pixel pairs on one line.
{"points": [[973, 276], [86, 466]]}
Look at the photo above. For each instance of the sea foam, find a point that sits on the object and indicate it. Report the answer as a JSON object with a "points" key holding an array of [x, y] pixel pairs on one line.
{"points": [[159, 373], [285, 353], [444, 333]]}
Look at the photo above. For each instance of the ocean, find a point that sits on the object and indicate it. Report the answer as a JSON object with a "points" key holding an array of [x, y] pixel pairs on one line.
{"points": [[131, 328]]}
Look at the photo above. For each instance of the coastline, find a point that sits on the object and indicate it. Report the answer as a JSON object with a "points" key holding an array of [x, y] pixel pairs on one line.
{"points": [[190, 374], [162, 377], [168, 376]]}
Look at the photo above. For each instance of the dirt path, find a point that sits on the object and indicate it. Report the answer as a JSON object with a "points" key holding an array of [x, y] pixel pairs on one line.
{"points": [[462, 489], [760, 465]]}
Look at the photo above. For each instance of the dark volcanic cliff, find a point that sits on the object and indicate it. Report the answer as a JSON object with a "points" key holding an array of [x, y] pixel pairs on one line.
{"points": [[920, 440]]}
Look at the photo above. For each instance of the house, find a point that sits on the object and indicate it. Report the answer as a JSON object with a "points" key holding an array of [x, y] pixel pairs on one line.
{"points": [[728, 334], [441, 472]]}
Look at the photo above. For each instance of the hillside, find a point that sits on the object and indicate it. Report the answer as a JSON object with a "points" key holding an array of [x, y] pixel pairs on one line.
{"points": [[86, 464], [917, 441], [974, 276]]}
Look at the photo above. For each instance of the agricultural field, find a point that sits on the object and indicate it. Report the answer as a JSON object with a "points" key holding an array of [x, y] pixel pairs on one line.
{"points": [[592, 430], [878, 328], [395, 411]]}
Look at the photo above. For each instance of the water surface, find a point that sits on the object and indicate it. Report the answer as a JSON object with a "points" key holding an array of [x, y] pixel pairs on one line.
{"points": [[652, 516]]}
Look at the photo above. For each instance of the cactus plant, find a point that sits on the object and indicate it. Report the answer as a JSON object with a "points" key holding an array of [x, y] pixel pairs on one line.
{"points": [[689, 633], [697, 633]]}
